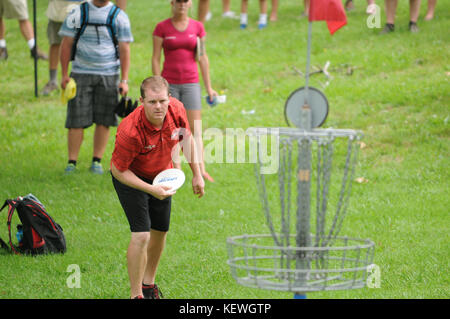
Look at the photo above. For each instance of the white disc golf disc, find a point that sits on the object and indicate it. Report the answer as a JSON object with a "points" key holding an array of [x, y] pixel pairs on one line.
{"points": [[172, 177]]}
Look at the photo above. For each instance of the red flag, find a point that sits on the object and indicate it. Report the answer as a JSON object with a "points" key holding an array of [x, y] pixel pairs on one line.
{"points": [[331, 11]]}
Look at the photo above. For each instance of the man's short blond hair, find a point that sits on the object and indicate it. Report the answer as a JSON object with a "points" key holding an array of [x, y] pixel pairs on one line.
{"points": [[154, 83]]}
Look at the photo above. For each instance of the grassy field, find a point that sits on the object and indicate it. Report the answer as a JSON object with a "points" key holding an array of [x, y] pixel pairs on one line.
{"points": [[398, 95]]}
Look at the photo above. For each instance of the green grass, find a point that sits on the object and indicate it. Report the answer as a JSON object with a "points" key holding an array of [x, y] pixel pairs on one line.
{"points": [[398, 95]]}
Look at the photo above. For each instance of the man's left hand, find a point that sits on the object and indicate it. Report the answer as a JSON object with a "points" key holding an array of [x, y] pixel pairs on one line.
{"points": [[123, 88]]}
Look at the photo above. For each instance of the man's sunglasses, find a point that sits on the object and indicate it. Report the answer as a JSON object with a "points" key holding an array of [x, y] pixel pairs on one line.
{"points": [[182, 1]]}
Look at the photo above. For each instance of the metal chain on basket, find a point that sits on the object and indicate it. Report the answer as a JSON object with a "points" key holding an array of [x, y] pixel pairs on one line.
{"points": [[306, 265], [324, 165], [263, 194], [344, 195], [325, 152], [285, 154]]}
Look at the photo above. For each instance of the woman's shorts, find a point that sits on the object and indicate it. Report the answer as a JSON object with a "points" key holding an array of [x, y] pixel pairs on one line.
{"points": [[143, 211], [95, 102], [190, 94]]}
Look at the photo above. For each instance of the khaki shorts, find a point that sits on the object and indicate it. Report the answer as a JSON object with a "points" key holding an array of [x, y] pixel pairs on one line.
{"points": [[52, 32], [14, 9]]}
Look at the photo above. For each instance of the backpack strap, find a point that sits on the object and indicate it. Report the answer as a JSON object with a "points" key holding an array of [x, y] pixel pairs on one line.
{"points": [[84, 18], [12, 205], [110, 25], [2, 242]]}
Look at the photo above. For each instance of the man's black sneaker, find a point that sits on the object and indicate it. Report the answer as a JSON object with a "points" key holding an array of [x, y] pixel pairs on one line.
{"points": [[413, 27], [388, 28], [3, 53], [38, 54], [151, 292]]}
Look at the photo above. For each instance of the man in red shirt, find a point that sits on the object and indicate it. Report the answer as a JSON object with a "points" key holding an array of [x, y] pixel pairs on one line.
{"points": [[144, 143]]}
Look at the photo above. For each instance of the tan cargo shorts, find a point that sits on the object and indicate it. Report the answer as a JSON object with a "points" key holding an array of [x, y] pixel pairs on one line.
{"points": [[14, 9]]}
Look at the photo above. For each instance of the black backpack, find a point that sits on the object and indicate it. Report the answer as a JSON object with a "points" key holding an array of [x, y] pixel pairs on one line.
{"points": [[41, 234], [84, 22]]}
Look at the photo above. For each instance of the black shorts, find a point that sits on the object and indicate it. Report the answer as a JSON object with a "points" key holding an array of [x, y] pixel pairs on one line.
{"points": [[143, 211]]}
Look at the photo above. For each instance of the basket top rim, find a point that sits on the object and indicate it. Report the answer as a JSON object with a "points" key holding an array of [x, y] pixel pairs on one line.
{"points": [[353, 243], [298, 132]]}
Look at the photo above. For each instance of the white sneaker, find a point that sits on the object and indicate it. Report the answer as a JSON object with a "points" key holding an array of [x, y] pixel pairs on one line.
{"points": [[229, 15], [243, 20]]}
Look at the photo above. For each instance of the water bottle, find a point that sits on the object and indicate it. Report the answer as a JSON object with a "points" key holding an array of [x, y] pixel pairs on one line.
{"points": [[216, 100], [211, 101], [19, 234]]}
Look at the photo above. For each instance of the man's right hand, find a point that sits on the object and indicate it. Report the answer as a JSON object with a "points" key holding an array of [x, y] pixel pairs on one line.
{"points": [[162, 191], [64, 81]]}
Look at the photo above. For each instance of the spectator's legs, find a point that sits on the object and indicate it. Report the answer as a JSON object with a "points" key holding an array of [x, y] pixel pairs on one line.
{"points": [[430, 10], [244, 8], [391, 9], [262, 23], [75, 139], [203, 9], [2, 29], [52, 84], [414, 10], [226, 6], [274, 11], [101, 136], [263, 6], [28, 34], [306, 3], [54, 57], [26, 29], [3, 50]]}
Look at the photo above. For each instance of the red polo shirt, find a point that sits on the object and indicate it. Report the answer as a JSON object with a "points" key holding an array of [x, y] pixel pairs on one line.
{"points": [[144, 149]]}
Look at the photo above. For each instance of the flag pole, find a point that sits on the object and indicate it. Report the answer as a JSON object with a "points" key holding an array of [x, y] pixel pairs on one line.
{"points": [[303, 212], [35, 51], [308, 61]]}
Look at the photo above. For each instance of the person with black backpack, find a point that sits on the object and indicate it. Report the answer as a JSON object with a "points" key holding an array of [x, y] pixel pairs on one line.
{"points": [[96, 40]]}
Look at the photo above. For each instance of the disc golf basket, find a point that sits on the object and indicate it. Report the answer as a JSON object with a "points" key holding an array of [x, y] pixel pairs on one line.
{"points": [[304, 205], [309, 194]]}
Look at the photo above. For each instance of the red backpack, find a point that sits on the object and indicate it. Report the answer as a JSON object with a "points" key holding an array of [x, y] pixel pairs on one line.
{"points": [[41, 234]]}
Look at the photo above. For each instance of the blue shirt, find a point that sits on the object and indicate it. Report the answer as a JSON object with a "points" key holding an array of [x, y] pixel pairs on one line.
{"points": [[95, 50]]}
